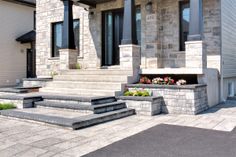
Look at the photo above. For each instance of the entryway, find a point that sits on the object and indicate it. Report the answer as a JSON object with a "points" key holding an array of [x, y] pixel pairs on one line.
{"points": [[112, 30], [31, 63]]}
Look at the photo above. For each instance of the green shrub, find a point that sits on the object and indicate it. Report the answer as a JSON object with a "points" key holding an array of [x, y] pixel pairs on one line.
{"points": [[78, 66], [142, 93], [128, 93], [6, 106]]}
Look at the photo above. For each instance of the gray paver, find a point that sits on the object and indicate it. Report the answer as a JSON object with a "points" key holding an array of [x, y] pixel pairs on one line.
{"points": [[19, 137]]}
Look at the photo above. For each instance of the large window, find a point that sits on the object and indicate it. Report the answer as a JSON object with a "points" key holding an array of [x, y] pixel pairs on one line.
{"points": [[184, 23], [57, 37]]}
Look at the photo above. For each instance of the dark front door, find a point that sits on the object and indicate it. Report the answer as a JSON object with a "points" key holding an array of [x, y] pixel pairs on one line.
{"points": [[112, 36], [31, 72]]}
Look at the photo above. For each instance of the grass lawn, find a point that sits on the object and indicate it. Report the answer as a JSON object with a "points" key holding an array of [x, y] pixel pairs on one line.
{"points": [[5, 106]]}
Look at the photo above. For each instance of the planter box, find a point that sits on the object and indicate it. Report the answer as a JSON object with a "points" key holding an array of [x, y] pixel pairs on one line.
{"points": [[148, 106], [187, 99]]}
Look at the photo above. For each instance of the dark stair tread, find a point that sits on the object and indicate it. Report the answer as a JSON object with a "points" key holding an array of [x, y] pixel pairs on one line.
{"points": [[75, 106], [92, 100], [74, 123], [64, 105], [13, 90]]}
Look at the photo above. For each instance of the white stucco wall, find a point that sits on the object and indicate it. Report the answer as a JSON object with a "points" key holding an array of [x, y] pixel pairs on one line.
{"points": [[15, 20]]}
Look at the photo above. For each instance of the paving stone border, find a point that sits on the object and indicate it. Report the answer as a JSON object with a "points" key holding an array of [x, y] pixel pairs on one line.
{"points": [[187, 99]]}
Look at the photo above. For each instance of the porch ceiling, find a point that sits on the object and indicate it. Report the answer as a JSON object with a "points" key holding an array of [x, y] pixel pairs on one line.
{"points": [[92, 3]]}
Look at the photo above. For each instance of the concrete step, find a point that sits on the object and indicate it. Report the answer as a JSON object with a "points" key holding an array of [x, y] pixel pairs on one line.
{"points": [[92, 78], [98, 72], [81, 92], [97, 109], [85, 85], [77, 99], [72, 122]]}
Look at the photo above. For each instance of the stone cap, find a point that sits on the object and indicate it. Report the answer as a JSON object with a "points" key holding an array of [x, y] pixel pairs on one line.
{"points": [[194, 86], [138, 98]]}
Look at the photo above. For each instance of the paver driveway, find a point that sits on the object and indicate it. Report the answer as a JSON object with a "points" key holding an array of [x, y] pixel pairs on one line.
{"points": [[27, 139]]}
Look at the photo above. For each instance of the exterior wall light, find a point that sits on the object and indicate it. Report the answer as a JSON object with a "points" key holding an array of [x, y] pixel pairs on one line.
{"points": [[148, 6]]}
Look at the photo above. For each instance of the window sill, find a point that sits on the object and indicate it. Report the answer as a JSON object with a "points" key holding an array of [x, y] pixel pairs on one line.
{"points": [[54, 58]]}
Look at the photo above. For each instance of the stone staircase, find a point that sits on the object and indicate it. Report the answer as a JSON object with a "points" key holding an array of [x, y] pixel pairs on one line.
{"points": [[99, 82], [72, 111]]}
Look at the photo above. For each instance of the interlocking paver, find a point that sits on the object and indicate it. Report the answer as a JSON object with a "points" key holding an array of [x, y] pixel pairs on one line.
{"points": [[24, 138]]}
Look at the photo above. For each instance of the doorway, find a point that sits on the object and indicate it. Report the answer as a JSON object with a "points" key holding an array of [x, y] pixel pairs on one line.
{"points": [[31, 63], [112, 36], [112, 31]]}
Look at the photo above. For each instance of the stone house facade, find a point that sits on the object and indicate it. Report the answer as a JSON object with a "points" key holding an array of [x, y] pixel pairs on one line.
{"points": [[175, 37]]}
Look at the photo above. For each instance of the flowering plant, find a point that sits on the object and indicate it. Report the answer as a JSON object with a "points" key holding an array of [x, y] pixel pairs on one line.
{"points": [[169, 81], [145, 80], [158, 80], [181, 82]]}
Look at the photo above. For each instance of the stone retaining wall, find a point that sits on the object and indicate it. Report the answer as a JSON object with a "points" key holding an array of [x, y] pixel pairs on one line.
{"points": [[188, 99], [148, 106]]}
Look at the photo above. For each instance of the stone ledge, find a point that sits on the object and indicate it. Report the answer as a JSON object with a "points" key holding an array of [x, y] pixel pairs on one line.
{"points": [[37, 79], [137, 98], [194, 86], [19, 97]]}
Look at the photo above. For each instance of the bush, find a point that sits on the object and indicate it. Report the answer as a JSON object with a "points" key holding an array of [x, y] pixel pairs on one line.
{"points": [[142, 93], [78, 66], [7, 106]]}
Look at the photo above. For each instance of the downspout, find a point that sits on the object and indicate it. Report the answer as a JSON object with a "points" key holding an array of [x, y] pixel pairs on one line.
{"points": [[222, 99]]}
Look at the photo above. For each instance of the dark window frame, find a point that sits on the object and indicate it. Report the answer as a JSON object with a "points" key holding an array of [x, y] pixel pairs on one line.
{"points": [[53, 54], [181, 39]]}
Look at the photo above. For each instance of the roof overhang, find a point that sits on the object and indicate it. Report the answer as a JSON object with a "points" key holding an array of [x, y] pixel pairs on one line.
{"points": [[23, 2], [91, 3], [27, 37]]}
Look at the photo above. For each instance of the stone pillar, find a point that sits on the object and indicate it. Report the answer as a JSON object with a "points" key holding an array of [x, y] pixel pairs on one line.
{"points": [[196, 20], [68, 59], [130, 57], [196, 54]]}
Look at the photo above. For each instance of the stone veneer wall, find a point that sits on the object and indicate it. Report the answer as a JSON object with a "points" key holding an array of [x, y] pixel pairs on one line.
{"points": [[160, 34], [189, 99], [52, 11], [148, 106]]}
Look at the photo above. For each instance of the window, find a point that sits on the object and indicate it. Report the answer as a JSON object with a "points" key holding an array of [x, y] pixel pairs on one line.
{"points": [[184, 23], [57, 37]]}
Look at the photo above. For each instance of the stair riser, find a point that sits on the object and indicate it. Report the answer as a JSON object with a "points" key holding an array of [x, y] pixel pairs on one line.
{"points": [[102, 78], [110, 108], [66, 109], [97, 72], [67, 101], [103, 119], [76, 92], [84, 85], [94, 102]]}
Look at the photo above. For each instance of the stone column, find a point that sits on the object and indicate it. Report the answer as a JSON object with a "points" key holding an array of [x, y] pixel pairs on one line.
{"points": [[196, 54], [195, 48], [68, 54], [68, 59], [130, 57]]}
